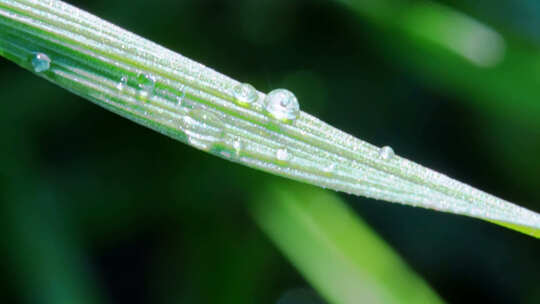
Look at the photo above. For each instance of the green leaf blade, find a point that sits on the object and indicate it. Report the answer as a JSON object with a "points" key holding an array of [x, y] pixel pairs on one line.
{"points": [[192, 103], [343, 258]]}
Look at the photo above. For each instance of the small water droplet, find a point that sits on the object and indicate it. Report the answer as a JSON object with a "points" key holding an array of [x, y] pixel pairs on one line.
{"points": [[245, 93], [282, 105], [122, 83], [180, 98], [147, 84], [41, 62], [237, 145], [225, 154], [204, 129], [283, 155], [329, 169], [386, 152]]}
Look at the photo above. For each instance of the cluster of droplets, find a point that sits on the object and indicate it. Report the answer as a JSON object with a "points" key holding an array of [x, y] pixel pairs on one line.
{"points": [[41, 62], [204, 129], [280, 104]]}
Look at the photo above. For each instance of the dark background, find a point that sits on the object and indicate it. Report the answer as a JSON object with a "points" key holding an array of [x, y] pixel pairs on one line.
{"points": [[129, 216]]}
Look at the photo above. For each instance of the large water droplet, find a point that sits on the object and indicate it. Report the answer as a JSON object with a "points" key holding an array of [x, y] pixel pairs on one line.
{"points": [[41, 62], [386, 152], [122, 83], [204, 129], [283, 155], [147, 84], [282, 105], [245, 94]]}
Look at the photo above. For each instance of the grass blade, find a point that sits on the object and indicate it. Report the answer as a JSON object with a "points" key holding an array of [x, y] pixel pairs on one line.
{"points": [[343, 259], [44, 250], [178, 97]]}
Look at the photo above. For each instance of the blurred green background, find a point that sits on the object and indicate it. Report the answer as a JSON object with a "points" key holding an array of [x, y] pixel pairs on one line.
{"points": [[95, 209]]}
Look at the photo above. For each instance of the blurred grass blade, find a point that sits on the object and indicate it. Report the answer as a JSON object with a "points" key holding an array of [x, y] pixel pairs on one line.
{"points": [[212, 112], [333, 249], [42, 247], [458, 52]]}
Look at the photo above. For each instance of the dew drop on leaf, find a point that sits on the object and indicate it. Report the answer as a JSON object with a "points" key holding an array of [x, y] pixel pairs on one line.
{"points": [[180, 98], [41, 62], [122, 83], [147, 84], [283, 155], [245, 94], [237, 145], [282, 105], [386, 152], [204, 129]]}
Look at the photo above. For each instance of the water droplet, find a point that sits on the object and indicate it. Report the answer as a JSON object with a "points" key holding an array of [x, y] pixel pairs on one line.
{"points": [[386, 152], [180, 99], [237, 145], [245, 94], [225, 154], [283, 155], [122, 83], [147, 84], [204, 129], [329, 169], [282, 105], [41, 62]]}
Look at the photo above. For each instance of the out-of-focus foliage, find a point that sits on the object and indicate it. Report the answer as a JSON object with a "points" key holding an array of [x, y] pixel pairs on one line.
{"points": [[94, 208], [337, 253]]}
